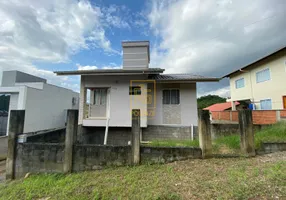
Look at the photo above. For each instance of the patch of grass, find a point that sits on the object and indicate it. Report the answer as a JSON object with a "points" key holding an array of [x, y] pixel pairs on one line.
{"points": [[174, 143], [272, 133], [234, 178], [231, 142]]}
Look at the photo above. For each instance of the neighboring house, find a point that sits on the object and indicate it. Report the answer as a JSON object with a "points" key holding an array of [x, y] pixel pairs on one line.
{"points": [[261, 83], [222, 106], [167, 102], [45, 105]]}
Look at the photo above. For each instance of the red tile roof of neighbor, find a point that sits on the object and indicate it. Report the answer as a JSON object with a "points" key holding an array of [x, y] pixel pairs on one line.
{"points": [[220, 106]]}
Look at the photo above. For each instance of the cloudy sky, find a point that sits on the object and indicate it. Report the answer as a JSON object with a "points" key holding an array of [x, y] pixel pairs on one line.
{"points": [[205, 37]]}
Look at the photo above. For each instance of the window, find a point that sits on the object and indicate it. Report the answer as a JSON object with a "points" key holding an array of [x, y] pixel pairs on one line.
{"points": [[134, 90], [263, 75], [100, 96], [239, 83], [171, 96], [266, 104]]}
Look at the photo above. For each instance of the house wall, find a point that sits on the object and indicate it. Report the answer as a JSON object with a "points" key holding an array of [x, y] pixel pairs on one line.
{"points": [[9, 78], [121, 102], [273, 89], [46, 108], [187, 108]]}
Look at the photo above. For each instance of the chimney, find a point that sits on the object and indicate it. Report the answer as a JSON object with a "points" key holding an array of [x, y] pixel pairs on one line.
{"points": [[136, 55]]}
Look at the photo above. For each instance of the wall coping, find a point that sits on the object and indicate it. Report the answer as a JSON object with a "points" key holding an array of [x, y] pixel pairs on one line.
{"points": [[43, 144], [100, 145], [274, 142], [164, 147]]}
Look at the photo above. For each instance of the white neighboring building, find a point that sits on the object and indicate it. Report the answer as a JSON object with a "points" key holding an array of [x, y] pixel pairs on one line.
{"points": [[45, 105], [261, 83]]}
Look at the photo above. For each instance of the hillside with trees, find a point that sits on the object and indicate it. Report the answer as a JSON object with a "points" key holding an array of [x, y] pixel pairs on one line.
{"points": [[205, 101]]}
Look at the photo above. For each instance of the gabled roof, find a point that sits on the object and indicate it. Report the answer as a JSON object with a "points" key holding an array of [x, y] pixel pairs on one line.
{"points": [[112, 71], [220, 106], [256, 61], [181, 77]]}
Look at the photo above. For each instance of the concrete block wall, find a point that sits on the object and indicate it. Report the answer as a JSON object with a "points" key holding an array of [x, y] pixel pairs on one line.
{"points": [[95, 135], [150, 155], [92, 157], [166, 133], [271, 147], [121, 135], [38, 157], [218, 130], [49, 136], [3, 147]]}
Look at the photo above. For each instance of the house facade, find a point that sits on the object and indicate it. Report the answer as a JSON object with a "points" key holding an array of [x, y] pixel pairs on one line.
{"points": [[167, 102], [262, 83], [45, 105]]}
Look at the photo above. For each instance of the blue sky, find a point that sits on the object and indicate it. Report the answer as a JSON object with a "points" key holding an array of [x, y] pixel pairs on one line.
{"points": [[205, 37]]}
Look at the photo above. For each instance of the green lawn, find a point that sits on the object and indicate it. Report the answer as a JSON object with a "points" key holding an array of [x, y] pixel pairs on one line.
{"points": [[272, 133], [233, 178]]}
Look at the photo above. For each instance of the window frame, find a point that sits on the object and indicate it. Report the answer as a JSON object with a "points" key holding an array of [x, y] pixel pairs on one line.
{"points": [[265, 100], [131, 92], [170, 103], [267, 68], [100, 100], [239, 80]]}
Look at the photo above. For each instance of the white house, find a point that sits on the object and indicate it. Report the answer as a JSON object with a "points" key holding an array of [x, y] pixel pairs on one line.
{"points": [[261, 83], [167, 102], [45, 105]]}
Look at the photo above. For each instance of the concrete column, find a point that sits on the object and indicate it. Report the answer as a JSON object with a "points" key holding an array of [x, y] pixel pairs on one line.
{"points": [[16, 126], [233, 107], [278, 116], [136, 130], [246, 132], [71, 131], [205, 133]]}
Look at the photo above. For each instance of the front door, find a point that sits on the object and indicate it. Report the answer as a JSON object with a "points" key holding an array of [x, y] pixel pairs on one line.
{"points": [[284, 102]]}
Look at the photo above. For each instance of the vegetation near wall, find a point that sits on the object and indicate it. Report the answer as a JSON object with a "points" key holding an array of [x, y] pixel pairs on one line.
{"points": [[209, 100]]}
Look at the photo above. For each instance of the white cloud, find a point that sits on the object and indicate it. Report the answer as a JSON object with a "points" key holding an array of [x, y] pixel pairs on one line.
{"points": [[112, 67], [213, 38], [222, 92], [48, 31], [113, 16], [87, 67]]}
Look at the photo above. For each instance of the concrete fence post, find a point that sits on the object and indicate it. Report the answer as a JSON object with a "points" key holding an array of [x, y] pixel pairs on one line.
{"points": [[278, 116], [205, 138], [136, 129], [246, 132], [71, 131], [16, 126]]}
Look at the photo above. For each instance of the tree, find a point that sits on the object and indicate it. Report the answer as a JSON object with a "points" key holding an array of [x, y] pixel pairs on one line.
{"points": [[209, 100]]}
